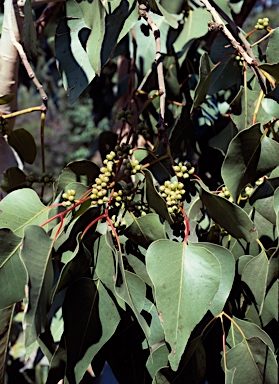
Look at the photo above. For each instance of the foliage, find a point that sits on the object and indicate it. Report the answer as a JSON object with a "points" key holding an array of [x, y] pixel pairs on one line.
{"points": [[162, 260]]}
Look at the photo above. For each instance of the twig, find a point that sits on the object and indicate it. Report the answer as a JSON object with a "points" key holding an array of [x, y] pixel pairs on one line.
{"points": [[25, 62], [159, 64], [220, 25]]}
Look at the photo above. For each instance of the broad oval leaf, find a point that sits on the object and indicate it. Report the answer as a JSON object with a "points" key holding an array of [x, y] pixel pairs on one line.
{"points": [[21, 208], [24, 144], [145, 230], [251, 154], [13, 178], [255, 275], [13, 276], [36, 255], [6, 317], [230, 216], [254, 362], [227, 262], [186, 279], [90, 319], [73, 62]]}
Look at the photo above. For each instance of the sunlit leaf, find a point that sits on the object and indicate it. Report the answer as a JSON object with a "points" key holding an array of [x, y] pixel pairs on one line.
{"points": [[27, 209], [186, 270]]}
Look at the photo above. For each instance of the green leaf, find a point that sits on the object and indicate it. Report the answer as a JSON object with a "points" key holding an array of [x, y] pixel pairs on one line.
{"points": [[83, 171], [229, 216], [179, 273], [21, 208], [73, 62], [260, 363], [139, 268], [272, 56], [13, 178], [251, 154], [13, 276], [255, 276], [195, 26], [271, 107], [170, 19], [158, 359], [154, 199], [36, 255], [156, 329], [145, 230], [227, 262], [6, 317], [120, 17], [205, 73], [6, 99], [272, 69], [90, 319], [250, 330], [229, 375], [104, 261], [94, 17], [24, 144], [74, 268], [243, 107], [29, 31], [270, 307]]}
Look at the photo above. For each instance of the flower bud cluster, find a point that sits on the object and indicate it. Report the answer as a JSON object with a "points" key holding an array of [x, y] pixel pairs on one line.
{"points": [[143, 129], [69, 197], [226, 194], [124, 115], [239, 59], [44, 179], [249, 189], [172, 192], [124, 150], [183, 170], [262, 23]]}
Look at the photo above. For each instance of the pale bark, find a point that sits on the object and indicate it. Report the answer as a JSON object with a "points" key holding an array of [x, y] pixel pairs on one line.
{"points": [[9, 58]]}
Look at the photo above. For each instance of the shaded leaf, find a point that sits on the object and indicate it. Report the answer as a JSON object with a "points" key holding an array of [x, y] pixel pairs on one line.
{"points": [[6, 99], [6, 316], [154, 199], [13, 276], [170, 19], [270, 307], [83, 171], [272, 69], [7, 157], [145, 230], [205, 73], [24, 144], [251, 154], [26, 209], [29, 31], [230, 216], [260, 363], [85, 335], [74, 269], [187, 270], [37, 260], [13, 178]]}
